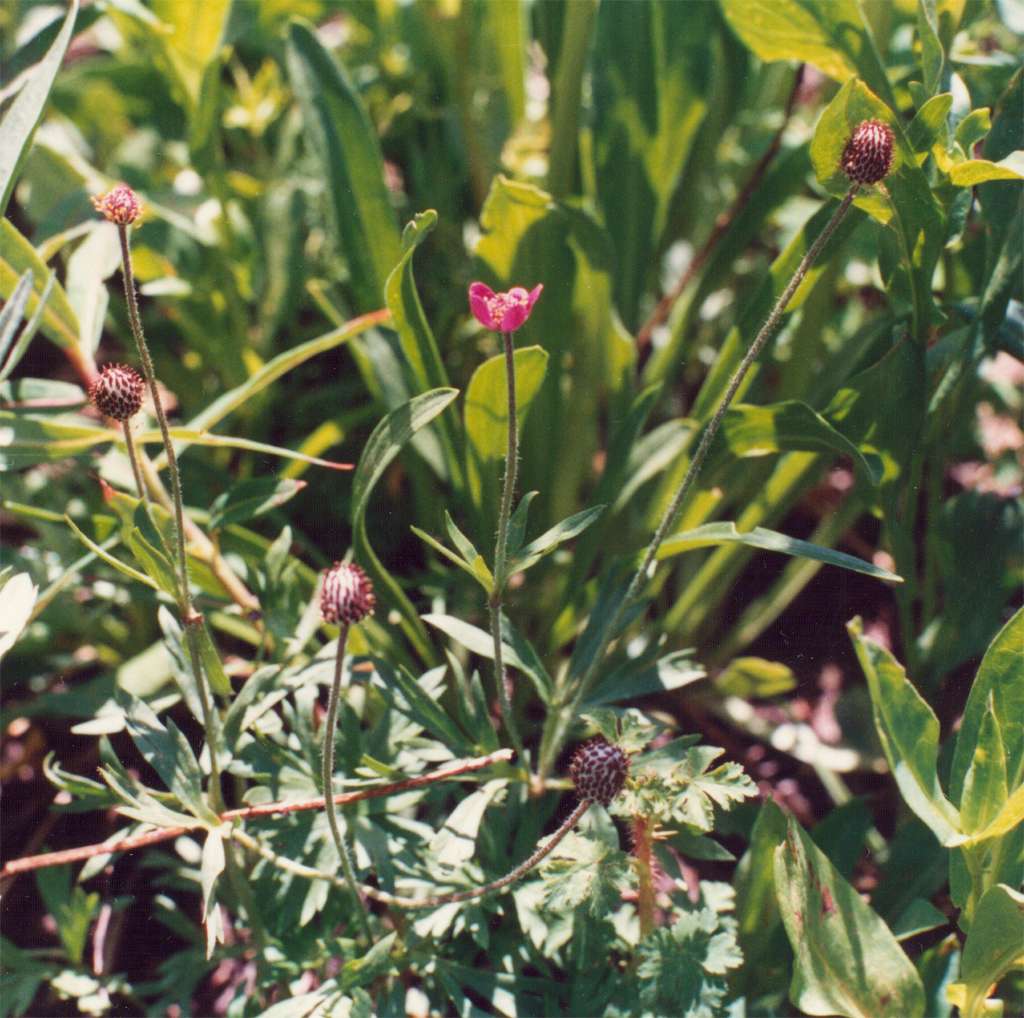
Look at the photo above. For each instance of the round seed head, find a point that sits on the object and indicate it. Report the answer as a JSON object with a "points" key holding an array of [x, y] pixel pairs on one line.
{"points": [[347, 594], [867, 157], [117, 391], [120, 205], [599, 770]]}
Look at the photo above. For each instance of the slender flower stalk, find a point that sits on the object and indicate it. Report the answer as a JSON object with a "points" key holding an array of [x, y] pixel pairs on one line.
{"points": [[599, 770], [121, 206], [346, 597], [866, 160], [133, 458], [504, 313]]}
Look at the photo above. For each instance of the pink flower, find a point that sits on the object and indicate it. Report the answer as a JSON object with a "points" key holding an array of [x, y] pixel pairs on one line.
{"points": [[502, 312], [120, 205]]}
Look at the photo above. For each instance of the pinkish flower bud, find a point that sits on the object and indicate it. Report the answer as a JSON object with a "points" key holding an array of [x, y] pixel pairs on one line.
{"points": [[117, 392], [502, 312], [120, 205], [867, 157], [599, 770], [347, 595]]}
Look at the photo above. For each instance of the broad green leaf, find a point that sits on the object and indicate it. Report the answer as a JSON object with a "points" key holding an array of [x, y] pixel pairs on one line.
{"points": [[709, 534], [749, 430], [246, 500], [767, 956], [19, 123], [348, 153], [155, 564], [551, 539], [933, 57], [384, 444], [59, 322], [509, 36], [455, 842], [985, 786], [832, 36], [212, 666], [651, 78], [979, 171], [847, 960], [486, 411], [1009, 818], [993, 945], [909, 733], [192, 38], [999, 682], [167, 751]]}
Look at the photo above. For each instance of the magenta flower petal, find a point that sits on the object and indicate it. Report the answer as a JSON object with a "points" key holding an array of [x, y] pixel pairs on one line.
{"points": [[502, 312]]}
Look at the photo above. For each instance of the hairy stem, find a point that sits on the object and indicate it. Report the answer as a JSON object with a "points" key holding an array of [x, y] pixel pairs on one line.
{"points": [[129, 444], [501, 548], [328, 783], [643, 572], [643, 863], [190, 620]]}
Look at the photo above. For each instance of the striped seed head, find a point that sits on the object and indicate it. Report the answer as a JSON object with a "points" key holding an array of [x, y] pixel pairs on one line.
{"points": [[117, 391], [867, 158], [599, 770], [347, 594]]}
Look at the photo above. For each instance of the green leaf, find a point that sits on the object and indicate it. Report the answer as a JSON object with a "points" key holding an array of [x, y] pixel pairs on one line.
{"points": [[486, 411], [675, 784], [651, 78], [409, 321], [155, 564], [750, 431], [561, 532], [985, 786], [725, 533], [192, 37], [346, 147], [72, 908], [24, 113], [383, 445], [979, 171], [998, 687], [12, 313], [455, 842], [516, 652], [17, 598], [933, 57], [477, 569], [993, 945], [167, 751], [832, 36], [517, 523], [246, 500], [421, 707], [59, 322], [754, 677], [102, 553], [210, 869], [909, 733], [639, 678], [847, 960]]}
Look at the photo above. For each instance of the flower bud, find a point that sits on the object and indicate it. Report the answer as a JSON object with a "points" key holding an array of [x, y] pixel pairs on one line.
{"points": [[117, 392], [120, 205], [867, 157], [347, 594], [599, 770]]}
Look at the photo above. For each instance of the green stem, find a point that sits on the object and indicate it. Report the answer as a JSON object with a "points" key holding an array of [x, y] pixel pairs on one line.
{"points": [[129, 444], [328, 782], [189, 618], [397, 901], [643, 572], [501, 548]]}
